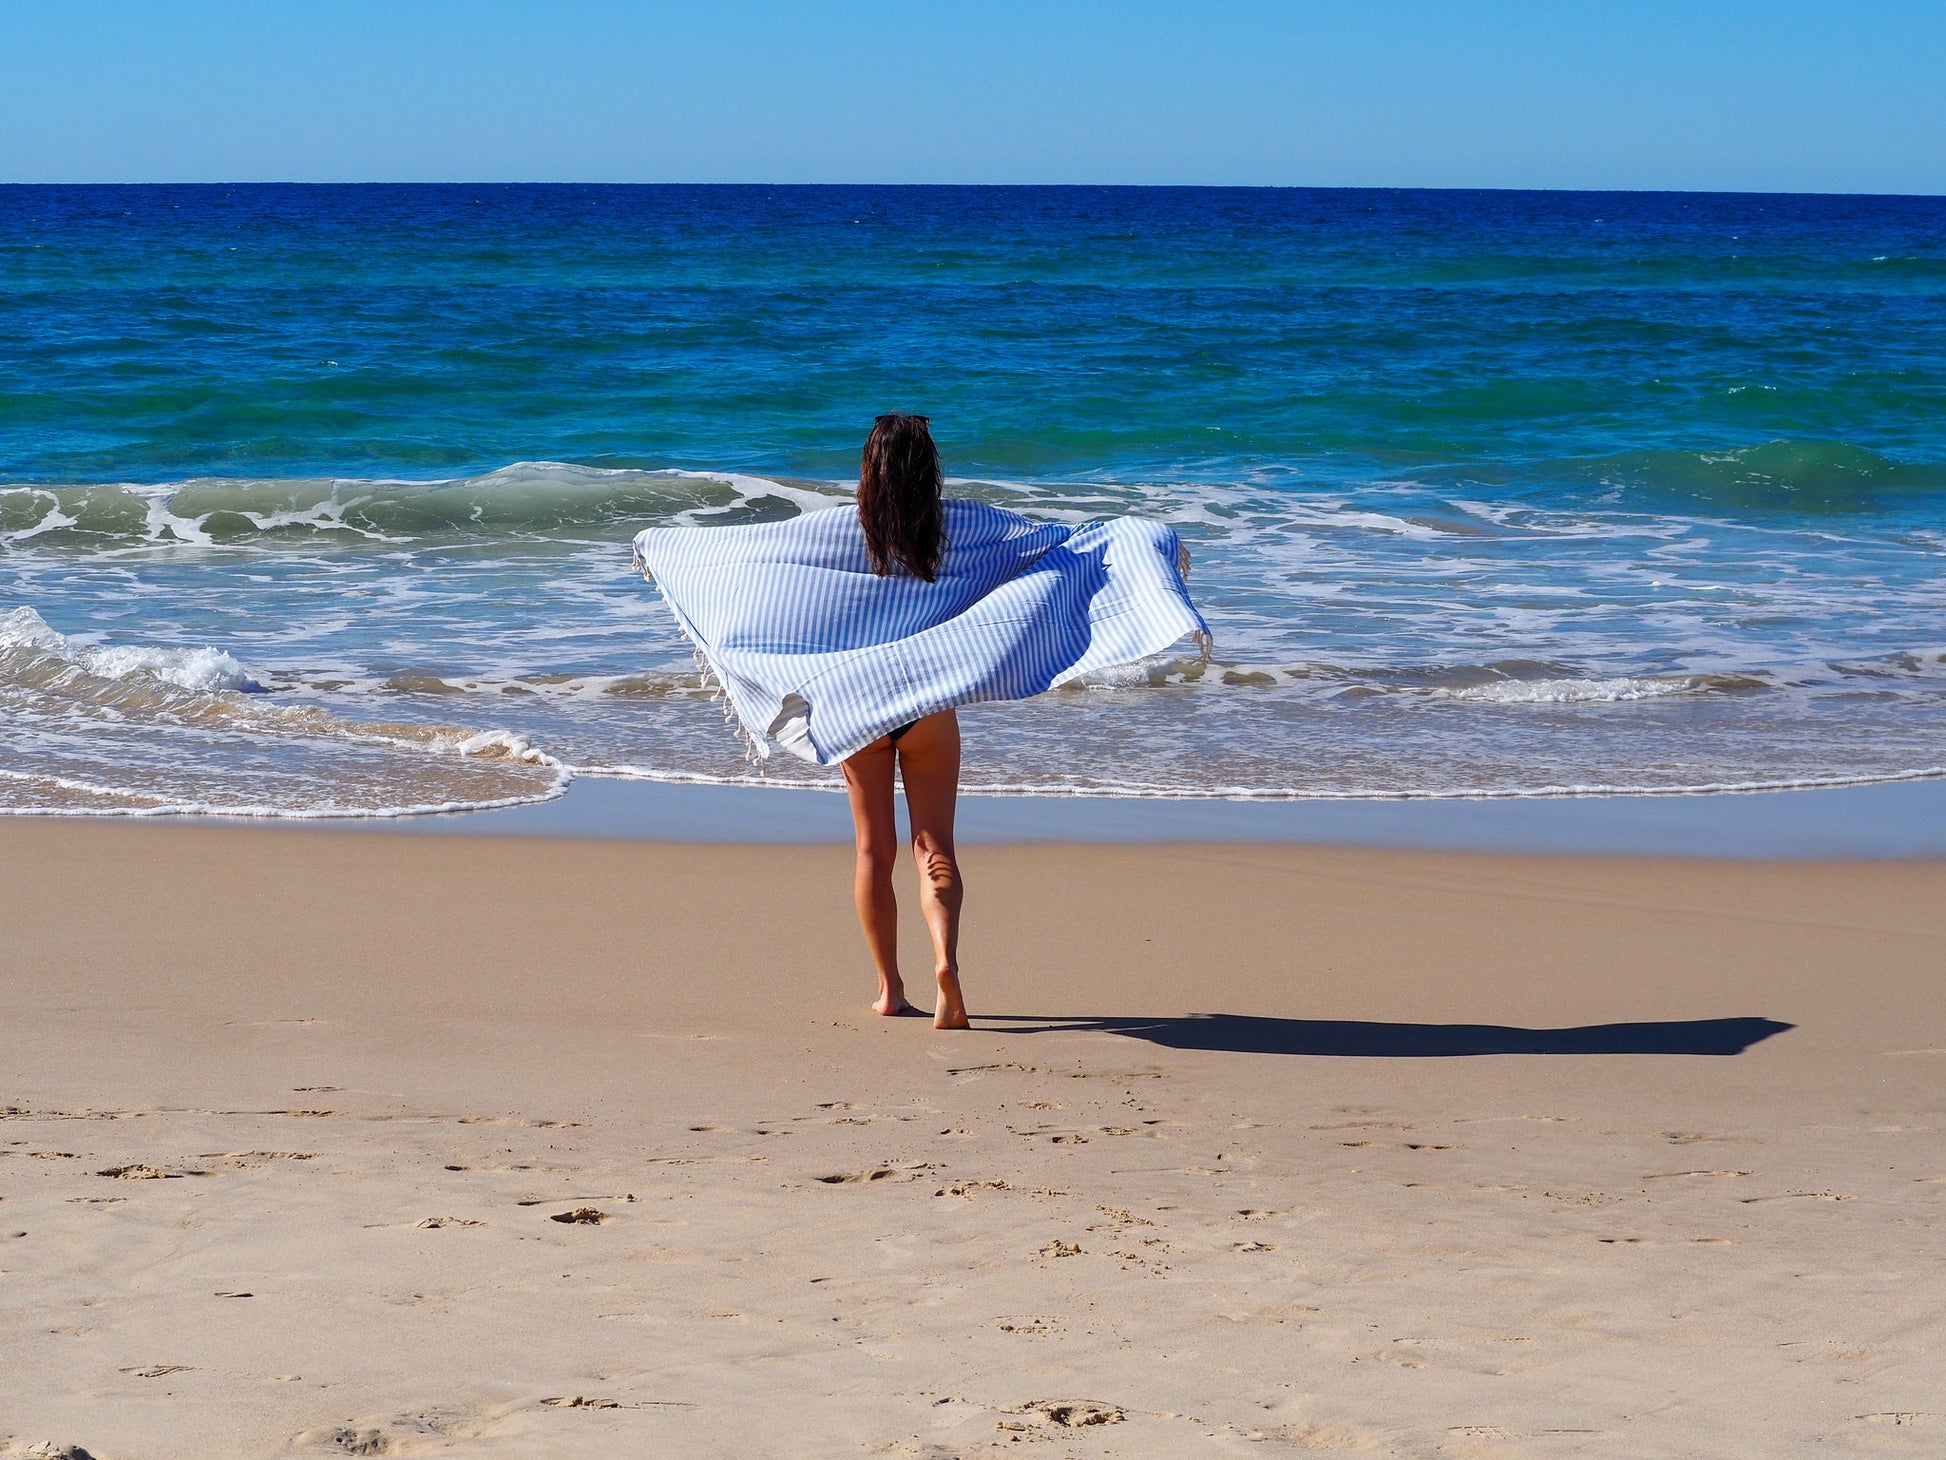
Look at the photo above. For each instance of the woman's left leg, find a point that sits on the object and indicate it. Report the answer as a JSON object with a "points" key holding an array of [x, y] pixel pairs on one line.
{"points": [[929, 767], [868, 779]]}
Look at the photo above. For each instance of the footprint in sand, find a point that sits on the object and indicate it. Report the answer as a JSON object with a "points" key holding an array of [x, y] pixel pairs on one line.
{"points": [[541, 1201], [1904, 1418], [1068, 1414], [346, 1440], [876, 1173], [1396, 1359], [967, 1188], [1694, 1137], [245, 1159], [413, 1434], [21, 1112], [1805, 1195], [1003, 1067], [1034, 1327]]}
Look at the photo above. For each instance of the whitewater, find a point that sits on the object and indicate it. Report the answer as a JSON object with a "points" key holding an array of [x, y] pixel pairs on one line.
{"points": [[421, 646]]}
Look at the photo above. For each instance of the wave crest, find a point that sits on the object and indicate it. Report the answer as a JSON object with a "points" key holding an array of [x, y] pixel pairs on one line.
{"points": [[539, 499], [201, 670]]}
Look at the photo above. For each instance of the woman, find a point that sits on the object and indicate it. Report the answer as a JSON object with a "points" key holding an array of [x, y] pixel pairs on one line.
{"points": [[899, 509], [848, 637]]}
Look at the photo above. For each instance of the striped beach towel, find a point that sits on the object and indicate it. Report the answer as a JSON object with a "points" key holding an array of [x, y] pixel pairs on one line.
{"points": [[819, 655]]}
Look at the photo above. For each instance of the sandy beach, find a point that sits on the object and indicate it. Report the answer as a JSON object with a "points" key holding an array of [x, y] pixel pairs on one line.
{"points": [[380, 1145]]}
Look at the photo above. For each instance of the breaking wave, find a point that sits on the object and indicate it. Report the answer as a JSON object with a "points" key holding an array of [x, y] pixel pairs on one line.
{"points": [[539, 499], [154, 731]]}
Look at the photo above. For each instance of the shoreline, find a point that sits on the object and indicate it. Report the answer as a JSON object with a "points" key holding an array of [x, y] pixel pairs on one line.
{"points": [[1896, 820]]}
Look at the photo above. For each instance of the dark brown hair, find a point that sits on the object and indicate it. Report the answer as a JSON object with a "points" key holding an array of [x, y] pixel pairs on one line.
{"points": [[898, 498]]}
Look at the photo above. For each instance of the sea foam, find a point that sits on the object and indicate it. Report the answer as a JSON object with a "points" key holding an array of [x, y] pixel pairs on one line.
{"points": [[1615, 690], [128, 730]]}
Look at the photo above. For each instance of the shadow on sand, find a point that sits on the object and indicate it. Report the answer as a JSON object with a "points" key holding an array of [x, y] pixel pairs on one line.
{"points": [[1255, 1034]]}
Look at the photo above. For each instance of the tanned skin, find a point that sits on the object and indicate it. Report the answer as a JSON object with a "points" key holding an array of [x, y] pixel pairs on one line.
{"points": [[926, 759]]}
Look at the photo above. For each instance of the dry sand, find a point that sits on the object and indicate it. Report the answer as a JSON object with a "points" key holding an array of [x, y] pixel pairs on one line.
{"points": [[1278, 1150]]}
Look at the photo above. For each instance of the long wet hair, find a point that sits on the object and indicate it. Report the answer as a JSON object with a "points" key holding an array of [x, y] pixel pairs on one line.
{"points": [[899, 482]]}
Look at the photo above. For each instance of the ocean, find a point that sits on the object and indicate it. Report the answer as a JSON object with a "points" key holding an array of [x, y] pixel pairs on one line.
{"points": [[316, 500]]}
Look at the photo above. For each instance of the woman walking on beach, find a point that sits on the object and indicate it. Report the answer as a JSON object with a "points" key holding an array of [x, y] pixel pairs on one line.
{"points": [[903, 518], [849, 637]]}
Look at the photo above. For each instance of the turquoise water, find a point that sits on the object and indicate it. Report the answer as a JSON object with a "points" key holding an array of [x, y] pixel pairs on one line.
{"points": [[316, 500]]}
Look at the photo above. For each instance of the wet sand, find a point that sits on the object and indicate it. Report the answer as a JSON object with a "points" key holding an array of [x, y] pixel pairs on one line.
{"points": [[1890, 820], [1255, 1149]]}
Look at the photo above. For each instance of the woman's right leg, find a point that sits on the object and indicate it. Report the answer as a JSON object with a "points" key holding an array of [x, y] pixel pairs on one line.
{"points": [[929, 768], [868, 779]]}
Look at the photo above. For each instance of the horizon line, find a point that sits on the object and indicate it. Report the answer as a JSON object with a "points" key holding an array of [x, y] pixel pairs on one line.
{"points": [[1078, 186]]}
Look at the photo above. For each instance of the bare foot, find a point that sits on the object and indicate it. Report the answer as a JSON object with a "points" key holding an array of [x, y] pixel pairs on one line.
{"points": [[892, 1004], [951, 1010]]}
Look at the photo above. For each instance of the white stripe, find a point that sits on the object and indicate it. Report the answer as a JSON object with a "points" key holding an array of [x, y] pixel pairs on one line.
{"points": [[790, 612]]}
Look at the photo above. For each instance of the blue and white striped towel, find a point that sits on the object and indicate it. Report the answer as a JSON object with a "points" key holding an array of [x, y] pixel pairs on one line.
{"points": [[822, 656]]}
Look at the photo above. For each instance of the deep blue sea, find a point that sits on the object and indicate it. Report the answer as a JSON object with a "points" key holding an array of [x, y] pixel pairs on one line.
{"points": [[317, 500]]}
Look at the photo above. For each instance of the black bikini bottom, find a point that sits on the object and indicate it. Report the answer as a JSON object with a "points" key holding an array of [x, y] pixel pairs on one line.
{"points": [[896, 735]]}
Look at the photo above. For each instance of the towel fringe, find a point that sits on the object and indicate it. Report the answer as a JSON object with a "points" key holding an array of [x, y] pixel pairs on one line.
{"points": [[719, 692]]}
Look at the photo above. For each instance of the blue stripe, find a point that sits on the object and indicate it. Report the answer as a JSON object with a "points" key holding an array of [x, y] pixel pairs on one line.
{"points": [[822, 656]]}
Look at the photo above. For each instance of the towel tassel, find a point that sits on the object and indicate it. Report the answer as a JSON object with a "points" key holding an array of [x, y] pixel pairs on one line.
{"points": [[719, 692]]}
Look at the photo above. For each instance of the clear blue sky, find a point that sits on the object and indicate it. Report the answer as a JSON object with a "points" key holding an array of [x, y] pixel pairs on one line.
{"points": [[1839, 95]]}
